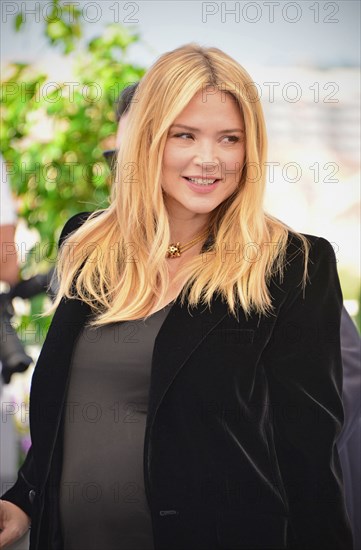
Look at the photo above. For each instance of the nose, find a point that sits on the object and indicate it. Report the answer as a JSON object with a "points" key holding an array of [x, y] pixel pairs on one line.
{"points": [[206, 156]]}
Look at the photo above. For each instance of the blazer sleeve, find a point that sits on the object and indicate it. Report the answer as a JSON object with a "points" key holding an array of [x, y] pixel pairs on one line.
{"points": [[304, 371], [23, 491]]}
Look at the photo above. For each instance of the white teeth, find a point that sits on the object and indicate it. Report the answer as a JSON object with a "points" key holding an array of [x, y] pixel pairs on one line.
{"points": [[201, 181]]}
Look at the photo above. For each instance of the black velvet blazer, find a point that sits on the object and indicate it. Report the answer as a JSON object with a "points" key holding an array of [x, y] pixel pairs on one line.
{"points": [[239, 449]]}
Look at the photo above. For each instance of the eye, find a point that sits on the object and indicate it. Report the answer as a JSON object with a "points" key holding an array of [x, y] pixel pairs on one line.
{"points": [[234, 139], [182, 135]]}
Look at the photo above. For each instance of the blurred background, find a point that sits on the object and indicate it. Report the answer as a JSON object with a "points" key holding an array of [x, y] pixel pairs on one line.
{"points": [[64, 64]]}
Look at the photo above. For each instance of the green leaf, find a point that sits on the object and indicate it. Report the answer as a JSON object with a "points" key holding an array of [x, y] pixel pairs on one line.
{"points": [[57, 29], [19, 21]]}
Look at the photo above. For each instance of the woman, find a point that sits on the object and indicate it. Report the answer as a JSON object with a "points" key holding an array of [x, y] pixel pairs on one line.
{"points": [[217, 429]]}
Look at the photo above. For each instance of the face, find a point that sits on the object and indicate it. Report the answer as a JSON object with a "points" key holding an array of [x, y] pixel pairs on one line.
{"points": [[205, 145]]}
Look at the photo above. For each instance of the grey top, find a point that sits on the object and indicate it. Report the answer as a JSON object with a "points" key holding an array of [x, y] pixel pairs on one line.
{"points": [[103, 504]]}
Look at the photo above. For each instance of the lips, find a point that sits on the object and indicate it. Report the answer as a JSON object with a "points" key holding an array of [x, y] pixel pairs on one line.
{"points": [[201, 188]]}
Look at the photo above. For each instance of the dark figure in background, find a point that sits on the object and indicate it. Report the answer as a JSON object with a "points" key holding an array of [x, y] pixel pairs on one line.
{"points": [[349, 442]]}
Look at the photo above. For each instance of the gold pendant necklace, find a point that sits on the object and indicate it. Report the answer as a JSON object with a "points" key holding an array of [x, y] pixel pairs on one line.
{"points": [[176, 249]]}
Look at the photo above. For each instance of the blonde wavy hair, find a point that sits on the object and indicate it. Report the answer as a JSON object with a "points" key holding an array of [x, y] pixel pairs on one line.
{"points": [[116, 261]]}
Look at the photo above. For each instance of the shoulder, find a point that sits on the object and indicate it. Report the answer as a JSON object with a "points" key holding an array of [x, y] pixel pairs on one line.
{"points": [[320, 250], [319, 264], [304, 284], [73, 224]]}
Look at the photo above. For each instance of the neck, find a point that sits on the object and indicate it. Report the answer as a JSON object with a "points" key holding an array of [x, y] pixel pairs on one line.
{"points": [[184, 231]]}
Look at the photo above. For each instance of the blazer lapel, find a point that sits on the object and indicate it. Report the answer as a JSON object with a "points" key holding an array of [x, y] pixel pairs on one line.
{"points": [[179, 336]]}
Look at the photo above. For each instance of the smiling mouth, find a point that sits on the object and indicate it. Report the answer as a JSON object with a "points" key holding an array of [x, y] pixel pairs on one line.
{"points": [[202, 181]]}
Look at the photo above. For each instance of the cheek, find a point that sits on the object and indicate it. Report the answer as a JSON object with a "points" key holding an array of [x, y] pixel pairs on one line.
{"points": [[235, 162], [168, 158], [172, 159]]}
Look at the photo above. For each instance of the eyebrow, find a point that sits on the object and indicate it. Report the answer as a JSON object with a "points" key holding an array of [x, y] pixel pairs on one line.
{"points": [[197, 129]]}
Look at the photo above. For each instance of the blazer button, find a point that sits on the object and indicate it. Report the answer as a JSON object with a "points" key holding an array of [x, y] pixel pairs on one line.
{"points": [[168, 512], [32, 496]]}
